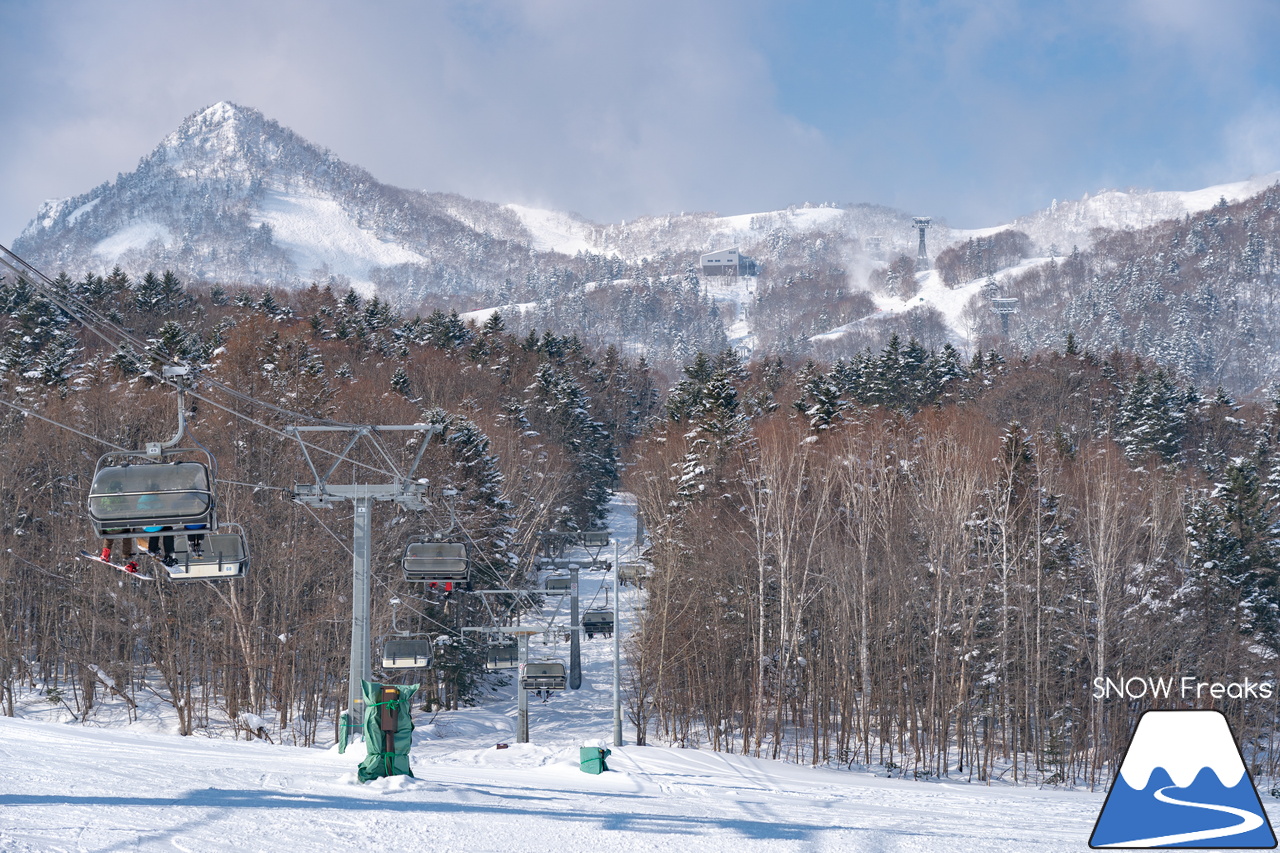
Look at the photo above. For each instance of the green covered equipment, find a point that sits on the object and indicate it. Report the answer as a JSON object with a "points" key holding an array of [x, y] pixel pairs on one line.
{"points": [[591, 759], [388, 729]]}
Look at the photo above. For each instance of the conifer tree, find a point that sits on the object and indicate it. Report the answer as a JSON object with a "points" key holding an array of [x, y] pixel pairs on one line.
{"points": [[1234, 555]]}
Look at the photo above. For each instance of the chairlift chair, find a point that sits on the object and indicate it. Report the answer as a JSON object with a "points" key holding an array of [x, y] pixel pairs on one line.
{"points": [[406, 653], [558, 585], [221, 556], [632, 573], [594, 539], [503, 657], [597, 622], [543, 675], [403, 650], [132, 500], [436, 562], [551, 544]]}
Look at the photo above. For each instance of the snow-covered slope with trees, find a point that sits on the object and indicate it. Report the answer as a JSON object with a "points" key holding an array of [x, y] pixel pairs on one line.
{"points": [[1067, 224]]}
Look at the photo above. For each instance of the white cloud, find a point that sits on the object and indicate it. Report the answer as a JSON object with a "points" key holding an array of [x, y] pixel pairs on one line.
{"points": [[1251, 143], [609, 109], [619, 109], [1219, 38]]}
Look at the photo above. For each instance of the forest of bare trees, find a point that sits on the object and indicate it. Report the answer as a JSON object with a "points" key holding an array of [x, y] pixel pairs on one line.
{"points": [[922, 565]]}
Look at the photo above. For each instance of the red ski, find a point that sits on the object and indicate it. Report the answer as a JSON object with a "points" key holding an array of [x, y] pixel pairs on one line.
{"points": [[131, 572]]}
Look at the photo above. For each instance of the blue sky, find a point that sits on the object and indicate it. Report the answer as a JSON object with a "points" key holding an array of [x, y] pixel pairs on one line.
{"points": [[974, 112]]}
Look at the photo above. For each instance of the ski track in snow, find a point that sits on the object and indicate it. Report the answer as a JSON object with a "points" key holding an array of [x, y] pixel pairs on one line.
{"points": [[78, 788]]}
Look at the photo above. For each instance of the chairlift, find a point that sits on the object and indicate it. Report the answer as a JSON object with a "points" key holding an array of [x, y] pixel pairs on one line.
{"points": [[552, 543], [403, 650], [137, 499], [594, 539], [151, 494], [633, 573], [436, 562], [506, 656], [406, 653], [543, 675], [219, 556], [558, 585], [597, 622]]}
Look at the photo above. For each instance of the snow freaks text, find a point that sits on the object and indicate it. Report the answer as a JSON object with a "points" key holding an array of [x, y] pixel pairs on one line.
{"points": [[1186, 687]]}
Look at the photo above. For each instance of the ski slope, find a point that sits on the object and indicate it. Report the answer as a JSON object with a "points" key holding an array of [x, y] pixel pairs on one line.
{"points": [[103, 786], [80, 789]]}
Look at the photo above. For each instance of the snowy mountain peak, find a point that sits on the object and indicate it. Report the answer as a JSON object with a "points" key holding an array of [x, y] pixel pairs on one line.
{"points": [[233, 196], [220, 113], [223, 119], [224, 140]]}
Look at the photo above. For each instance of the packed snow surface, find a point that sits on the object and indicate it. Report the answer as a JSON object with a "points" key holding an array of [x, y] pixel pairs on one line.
{"points": [[102, 786], [74, 788]]}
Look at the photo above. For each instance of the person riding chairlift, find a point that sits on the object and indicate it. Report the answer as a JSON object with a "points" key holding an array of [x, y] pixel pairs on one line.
{"points": [[114, 501], [195, 542], [150, 502]]}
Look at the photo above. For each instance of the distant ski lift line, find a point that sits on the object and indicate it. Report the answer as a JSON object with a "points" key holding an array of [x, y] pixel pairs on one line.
{"points": [[79, 311]]}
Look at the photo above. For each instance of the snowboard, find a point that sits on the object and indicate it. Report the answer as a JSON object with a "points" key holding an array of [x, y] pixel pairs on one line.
{"points": [[95, 558]]}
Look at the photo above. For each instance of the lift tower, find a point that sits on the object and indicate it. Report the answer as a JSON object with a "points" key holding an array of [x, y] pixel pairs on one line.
{"points": [[922, 256], [1004, 306], [405, 490]]}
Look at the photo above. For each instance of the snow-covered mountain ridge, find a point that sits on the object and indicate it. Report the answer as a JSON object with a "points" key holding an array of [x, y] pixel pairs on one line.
{"points": [[233, 196]]}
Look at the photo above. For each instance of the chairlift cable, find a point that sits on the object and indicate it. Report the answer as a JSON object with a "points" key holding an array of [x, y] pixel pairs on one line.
{"points": [[254, 486], [443, 627], [281, 433], [61, 302], [32, 414], [94, 321], [113, 446], [35, 566], [78, 310], [337, 538]]}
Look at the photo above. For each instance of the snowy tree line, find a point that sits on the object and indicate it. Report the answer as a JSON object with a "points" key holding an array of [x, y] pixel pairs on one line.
{"points": [[922, 562], [1198, 294], [979, 257]]}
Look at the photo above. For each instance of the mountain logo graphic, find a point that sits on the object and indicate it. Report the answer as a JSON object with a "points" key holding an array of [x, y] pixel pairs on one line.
{"points": [[1183, 783]]}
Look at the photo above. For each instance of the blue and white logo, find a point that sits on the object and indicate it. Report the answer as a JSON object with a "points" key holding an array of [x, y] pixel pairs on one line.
{"points": [[1183, 783]]}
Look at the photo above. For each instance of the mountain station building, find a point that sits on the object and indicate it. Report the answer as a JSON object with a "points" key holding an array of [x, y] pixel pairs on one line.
{"points": [[728, 262]]}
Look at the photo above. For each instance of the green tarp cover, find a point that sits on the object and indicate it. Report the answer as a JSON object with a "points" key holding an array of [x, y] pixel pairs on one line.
{"points": [[591, 759], [386, 756]]}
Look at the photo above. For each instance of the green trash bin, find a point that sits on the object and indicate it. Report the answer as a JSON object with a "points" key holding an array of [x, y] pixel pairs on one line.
{"points": [[591, 759]]}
